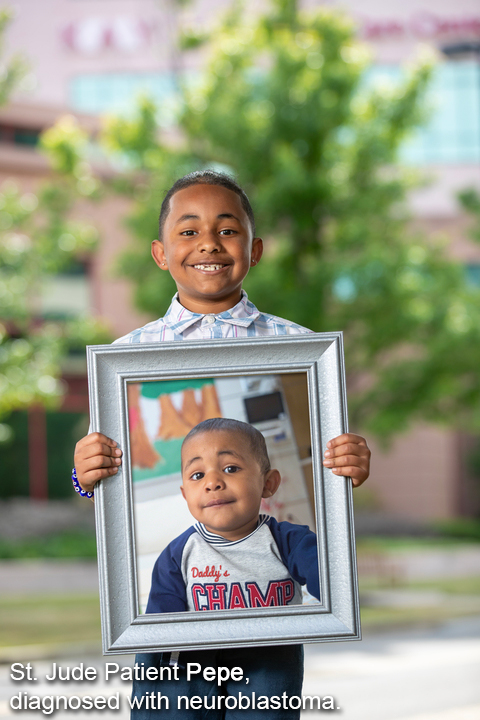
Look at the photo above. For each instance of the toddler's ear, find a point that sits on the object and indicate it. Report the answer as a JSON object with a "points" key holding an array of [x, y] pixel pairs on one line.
{"points": [[271, 483], [158, 254]]}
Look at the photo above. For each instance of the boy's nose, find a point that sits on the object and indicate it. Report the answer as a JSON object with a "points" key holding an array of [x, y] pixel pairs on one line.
{"points": [[209, 242]]}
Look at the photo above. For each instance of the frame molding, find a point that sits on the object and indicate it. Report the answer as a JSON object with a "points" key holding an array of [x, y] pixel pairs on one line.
{"points": [[124, 630]]}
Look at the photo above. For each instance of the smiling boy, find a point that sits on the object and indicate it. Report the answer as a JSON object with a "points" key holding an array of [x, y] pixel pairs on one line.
{"points": [[208, 243], [208, 249]]}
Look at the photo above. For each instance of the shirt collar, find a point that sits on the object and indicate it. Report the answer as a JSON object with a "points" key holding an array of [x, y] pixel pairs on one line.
{"points": [[219, 540], [180, 319]]}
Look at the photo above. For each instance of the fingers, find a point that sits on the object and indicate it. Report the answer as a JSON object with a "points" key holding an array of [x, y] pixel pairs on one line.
{"points": [[96, 458], [348, 455]]}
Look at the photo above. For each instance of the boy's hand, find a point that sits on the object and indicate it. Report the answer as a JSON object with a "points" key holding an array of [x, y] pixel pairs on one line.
{"points": [[96, 457], [348, 455]]}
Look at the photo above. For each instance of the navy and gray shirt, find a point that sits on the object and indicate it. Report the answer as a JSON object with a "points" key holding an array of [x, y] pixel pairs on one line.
{"points": [[200, 570]]}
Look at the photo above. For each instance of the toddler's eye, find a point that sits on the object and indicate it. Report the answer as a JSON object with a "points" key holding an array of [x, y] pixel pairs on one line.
{"points": [[231, 469], [196, 476]]}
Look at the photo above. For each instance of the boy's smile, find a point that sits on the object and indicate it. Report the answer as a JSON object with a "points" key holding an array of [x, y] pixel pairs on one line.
{"points": [[223, 483], [207, 247]]}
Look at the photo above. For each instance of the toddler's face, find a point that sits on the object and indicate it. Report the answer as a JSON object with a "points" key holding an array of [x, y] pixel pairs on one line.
{"points": [[207, 247], [223, 483]]}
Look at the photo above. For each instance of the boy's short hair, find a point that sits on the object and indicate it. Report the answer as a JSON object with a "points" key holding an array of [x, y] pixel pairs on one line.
{"points": [[204, 177], [253, 436]]}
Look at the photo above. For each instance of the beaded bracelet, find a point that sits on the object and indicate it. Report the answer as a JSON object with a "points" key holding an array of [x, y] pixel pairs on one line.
{"points": [[78, 487]]}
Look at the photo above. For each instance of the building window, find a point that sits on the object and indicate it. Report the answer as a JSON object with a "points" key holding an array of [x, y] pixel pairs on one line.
{"points": [[452, 131], [19, 135], [66, 295], [472, 272], [117, 93]]}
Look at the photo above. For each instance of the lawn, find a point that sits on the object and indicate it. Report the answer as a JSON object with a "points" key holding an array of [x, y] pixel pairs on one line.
{"points": [[51, 619], [72, 619], [75, 619]]}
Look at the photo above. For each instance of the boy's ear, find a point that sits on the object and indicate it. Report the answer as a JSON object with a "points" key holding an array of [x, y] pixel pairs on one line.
{"points": [[257, 250], [183, 492], [158, 254], [271, 483]]}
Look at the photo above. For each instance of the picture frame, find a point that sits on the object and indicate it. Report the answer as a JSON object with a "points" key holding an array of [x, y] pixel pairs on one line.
{"points": [[113, 370]]}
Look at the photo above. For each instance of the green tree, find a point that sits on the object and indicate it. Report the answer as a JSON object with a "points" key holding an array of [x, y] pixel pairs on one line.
{"points": [[470, 201], [285, 105], [15, 68], [38, 239]]}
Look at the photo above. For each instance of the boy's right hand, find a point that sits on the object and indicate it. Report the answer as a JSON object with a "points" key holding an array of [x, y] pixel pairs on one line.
{"points": [[96, 457]]}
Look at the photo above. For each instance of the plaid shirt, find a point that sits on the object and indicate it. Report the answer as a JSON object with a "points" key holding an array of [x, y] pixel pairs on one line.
{"points": [[243, 320]]}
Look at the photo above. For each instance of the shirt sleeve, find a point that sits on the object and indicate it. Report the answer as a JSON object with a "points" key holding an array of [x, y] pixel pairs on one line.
{"points": [[298, 548], [168, 592]]}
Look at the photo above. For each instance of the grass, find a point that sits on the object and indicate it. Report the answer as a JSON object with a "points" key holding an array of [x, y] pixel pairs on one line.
{"points": [[463, 599], [382, 544], [69, 619], [81, 544], [451, 586], [49, 619], [377, 618], [74, 544], [464, 528]]}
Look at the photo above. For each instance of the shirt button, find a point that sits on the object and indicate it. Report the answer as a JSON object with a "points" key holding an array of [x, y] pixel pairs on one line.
{"points": [[209, 319]]}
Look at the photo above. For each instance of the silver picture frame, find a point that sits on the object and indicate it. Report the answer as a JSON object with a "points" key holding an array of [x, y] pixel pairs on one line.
{"points": [[125, 629]]}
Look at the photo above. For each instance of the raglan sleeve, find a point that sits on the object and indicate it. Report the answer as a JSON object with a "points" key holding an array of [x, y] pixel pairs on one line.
{"points": [[168, 592], [298, 548]]}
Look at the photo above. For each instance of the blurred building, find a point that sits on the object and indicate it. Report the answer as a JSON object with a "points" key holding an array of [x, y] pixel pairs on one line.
{"points": [[91, 57]]}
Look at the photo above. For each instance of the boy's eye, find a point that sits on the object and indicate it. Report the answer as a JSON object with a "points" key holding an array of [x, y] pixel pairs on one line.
{"points": [[188, 233], [227, 231], [196, 476], [231, 469]]}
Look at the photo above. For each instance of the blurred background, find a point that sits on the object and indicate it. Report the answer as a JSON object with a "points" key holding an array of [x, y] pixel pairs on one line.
{"points": [[355, 129]]}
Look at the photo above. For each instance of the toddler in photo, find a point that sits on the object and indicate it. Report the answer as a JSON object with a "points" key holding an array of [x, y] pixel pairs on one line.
{"points": [[233, 557]]}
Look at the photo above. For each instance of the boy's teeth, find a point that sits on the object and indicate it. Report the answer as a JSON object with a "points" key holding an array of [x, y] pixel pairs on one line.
{"points": [[208, 267]]}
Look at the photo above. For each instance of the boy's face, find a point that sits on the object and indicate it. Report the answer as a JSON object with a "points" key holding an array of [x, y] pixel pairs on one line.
{"points": [[207, 247], [223, 483]]}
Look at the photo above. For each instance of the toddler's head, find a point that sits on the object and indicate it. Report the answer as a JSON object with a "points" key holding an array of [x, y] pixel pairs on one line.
{"points": [[225, 474]]}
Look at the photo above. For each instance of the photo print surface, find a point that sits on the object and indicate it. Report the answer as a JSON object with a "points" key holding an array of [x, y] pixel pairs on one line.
{"points": [[162, 413]]}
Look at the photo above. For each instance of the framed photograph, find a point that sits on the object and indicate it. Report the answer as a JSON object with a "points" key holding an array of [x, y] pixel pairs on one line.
{"points": [[147, 397]]}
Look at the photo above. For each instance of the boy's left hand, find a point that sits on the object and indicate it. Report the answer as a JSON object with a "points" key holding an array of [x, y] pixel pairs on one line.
{"points": [[348, 455]]}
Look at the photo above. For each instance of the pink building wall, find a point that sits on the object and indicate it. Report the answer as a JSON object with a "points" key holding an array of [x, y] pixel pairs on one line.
{"points": [[419, 476]]}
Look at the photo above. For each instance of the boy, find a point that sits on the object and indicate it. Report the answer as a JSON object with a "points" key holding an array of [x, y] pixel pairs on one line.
{"points": [[207, 242]]}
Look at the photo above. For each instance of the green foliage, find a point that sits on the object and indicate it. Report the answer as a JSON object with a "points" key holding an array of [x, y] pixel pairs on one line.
{"points": [[460, 529], [15, 69], [470, 199], [284, 105], [38, 238], [74, 544]]}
